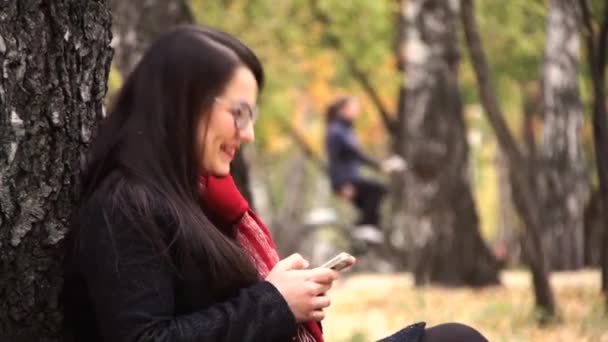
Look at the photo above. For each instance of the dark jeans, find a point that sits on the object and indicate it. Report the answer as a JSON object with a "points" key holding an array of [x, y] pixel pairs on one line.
{"points": [[368, 196]]}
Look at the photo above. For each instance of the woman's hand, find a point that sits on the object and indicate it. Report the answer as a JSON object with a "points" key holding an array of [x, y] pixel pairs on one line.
{"points": [[304, 290], [348, 191], [393, 164]]}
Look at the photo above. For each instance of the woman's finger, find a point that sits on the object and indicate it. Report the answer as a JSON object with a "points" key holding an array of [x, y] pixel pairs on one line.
{"points": [[321, 289], [321, 302], [323, 275], [316, 315], [292, 262]]}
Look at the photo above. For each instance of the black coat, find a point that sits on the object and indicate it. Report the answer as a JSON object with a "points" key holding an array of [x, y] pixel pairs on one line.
{"points": [[118, 288]]}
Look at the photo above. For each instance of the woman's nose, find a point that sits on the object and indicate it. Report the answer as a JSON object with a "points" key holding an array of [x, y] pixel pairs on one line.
{"points": [[247, 134]]}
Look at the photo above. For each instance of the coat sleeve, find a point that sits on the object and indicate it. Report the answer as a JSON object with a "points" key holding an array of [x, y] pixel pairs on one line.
{"points": [[132, 291], [349, 146]]}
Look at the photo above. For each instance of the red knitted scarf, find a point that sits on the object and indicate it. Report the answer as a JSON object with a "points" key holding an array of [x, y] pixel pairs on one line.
{"points": [[255, 238]]}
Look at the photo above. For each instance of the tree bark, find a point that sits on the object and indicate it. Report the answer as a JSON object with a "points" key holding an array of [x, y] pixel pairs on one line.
{"points": [[55, 58], [508, 247], [597, 51], [521, 172], [438, 208], [594, 231], [136, 25], [288, 230], [562, 181]]}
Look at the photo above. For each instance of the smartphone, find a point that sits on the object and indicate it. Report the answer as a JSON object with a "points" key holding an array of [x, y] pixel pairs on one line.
{"points": [[340, 262]]}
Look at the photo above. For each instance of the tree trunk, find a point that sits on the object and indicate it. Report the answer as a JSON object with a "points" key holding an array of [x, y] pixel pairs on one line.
{"points": [[594, 231], [480, 269], [597, 50], [136, 25], [438, 209], [521, 171], [55, 58], [533, 250], [508, 249], [562, 183], [288, 230]]}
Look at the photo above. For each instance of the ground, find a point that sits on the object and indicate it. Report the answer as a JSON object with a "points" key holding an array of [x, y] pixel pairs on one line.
{"points": [[366, 307]]}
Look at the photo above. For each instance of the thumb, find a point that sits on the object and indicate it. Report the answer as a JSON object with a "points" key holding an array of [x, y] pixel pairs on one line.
{"points": [[292, 262]]}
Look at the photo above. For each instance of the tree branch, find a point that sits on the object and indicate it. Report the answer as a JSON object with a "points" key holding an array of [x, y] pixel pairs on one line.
{"points": [[520, 172], [488, 97], [603, 45], [358, 74]]}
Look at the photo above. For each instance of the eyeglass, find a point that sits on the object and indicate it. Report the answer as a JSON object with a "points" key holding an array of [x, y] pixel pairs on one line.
{"points": [[242, 113]]}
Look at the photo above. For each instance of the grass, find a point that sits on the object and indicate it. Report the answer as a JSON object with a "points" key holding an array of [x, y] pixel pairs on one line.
{"points": [[367, 307]]}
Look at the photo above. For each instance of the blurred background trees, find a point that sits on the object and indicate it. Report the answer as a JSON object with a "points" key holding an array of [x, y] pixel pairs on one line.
{"points": [[498, 109], [437, 209], [522, 178]]}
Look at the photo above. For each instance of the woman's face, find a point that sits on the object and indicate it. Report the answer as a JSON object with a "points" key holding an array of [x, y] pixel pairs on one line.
{"points": [[350, 111], [218, 138]]}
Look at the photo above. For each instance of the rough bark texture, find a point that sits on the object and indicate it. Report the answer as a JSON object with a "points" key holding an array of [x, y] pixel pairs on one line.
{"points": [[521, 172], [562, 182], [55, 58], [438, 212]]}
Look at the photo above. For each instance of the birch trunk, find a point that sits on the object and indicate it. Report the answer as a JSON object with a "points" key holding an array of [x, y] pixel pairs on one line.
{"points": [[55, 57], [438, 210]]}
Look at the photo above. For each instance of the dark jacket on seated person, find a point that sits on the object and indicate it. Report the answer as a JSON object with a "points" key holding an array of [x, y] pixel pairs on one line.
{"points": [[344, 154], [119, 288]]}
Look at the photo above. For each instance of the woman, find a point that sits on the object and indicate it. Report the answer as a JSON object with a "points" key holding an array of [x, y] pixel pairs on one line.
{"points": [[345, 160], [164, 247]]}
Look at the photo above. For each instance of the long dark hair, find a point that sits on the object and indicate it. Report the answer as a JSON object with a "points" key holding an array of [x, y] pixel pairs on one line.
{"points": [[146, 150]]}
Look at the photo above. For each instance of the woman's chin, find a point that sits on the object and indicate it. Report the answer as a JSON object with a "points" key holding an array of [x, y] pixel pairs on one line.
{"points": [[221, 171]]}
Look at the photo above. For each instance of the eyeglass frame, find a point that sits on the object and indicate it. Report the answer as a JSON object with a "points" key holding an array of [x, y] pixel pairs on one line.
{"points": [[253, 112]]}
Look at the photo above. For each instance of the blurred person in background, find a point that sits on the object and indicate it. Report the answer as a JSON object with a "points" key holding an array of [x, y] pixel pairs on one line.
{"points": [[345, 160]]}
